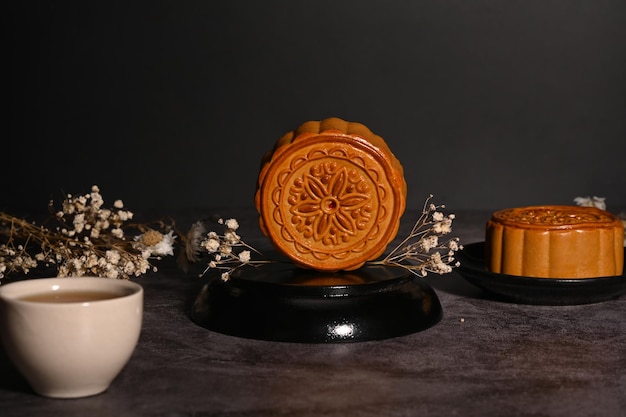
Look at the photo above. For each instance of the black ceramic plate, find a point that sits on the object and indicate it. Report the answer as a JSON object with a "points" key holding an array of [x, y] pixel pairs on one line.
{"points": [[289, 304], [527, 290]]}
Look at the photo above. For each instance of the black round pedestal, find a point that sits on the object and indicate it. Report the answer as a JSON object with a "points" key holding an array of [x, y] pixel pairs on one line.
{"points": [[289, 304]]}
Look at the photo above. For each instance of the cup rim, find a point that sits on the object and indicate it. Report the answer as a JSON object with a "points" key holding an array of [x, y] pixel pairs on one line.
{"points": [[14, 291]]}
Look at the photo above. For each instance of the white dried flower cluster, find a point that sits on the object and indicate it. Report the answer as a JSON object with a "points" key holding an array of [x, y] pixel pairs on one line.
{"points": [[15, 258], [227, 251], [154, 244], [85, 216], [88, 239], [600, 202], [423, 250]]}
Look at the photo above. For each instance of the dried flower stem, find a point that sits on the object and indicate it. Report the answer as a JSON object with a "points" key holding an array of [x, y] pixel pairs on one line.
{"points": [[228, 251], [421, 251], [88, 239]]}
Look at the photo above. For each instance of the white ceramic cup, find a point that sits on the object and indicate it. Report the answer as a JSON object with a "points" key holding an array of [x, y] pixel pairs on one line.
{"points": [[70, 349]]}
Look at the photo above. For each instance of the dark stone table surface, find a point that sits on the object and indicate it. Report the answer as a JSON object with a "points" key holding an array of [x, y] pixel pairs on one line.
{"points": [[486, 357]]}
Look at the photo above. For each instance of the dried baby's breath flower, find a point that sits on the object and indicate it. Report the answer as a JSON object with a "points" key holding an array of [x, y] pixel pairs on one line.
{"points": [[424, 250], [85, 239], [598, 202], [421, 252], [227, 251]]}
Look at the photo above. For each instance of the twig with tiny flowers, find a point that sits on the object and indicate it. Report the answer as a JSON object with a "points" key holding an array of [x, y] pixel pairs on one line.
{"points": [[86, 239], [420, 252], [227, 251]]}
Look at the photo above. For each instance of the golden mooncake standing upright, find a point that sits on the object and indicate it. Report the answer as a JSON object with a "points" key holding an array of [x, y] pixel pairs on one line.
{"points": [[555, 242], [330, 195]]}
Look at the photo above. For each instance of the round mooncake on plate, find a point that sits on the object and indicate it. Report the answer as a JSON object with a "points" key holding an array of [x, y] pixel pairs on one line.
{"points": [[555, 242]]}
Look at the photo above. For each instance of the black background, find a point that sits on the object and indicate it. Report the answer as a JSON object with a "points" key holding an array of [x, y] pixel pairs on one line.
{"points": [[169, 104]]}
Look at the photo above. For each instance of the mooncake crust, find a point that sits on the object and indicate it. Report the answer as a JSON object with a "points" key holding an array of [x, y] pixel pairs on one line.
{"points": [[554, 241], [330, 195]]}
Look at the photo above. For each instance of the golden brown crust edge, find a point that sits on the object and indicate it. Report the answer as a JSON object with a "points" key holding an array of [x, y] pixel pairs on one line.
{"points": [[342, 129], [555, 242]]}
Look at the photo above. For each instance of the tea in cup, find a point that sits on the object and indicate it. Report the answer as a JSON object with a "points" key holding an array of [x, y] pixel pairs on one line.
{"points": [[70, 337]]}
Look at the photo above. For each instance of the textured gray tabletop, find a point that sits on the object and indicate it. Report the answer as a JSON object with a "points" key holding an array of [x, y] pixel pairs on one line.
{"points": [[484, 358]]}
